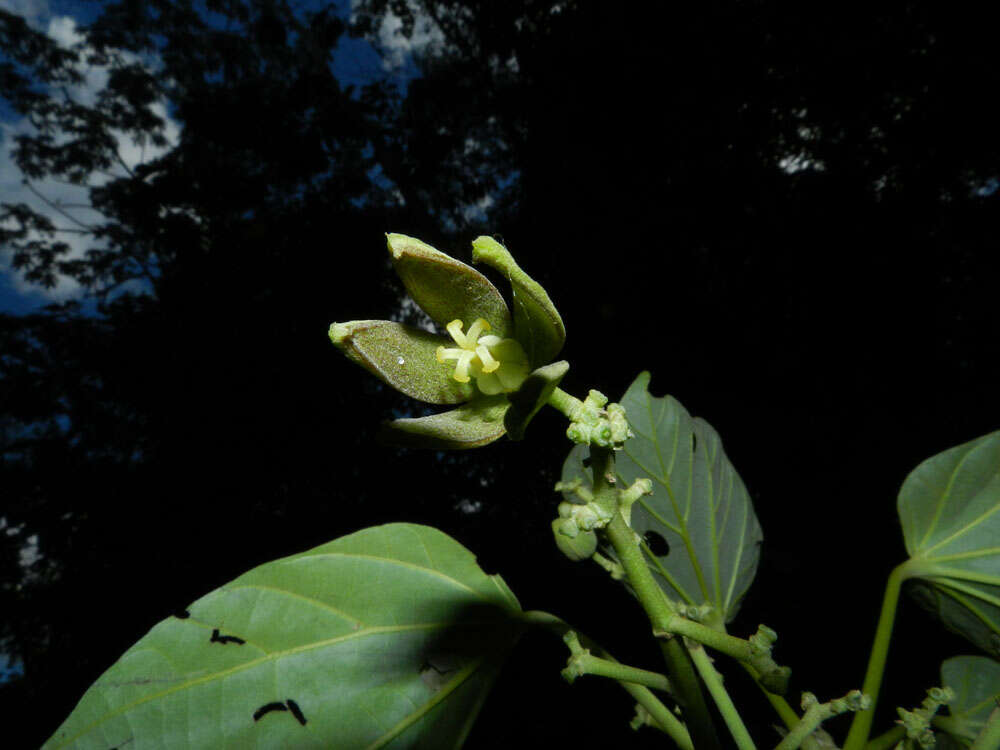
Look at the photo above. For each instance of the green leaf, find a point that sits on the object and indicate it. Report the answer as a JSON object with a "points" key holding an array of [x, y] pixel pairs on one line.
{"points": [[445, 288], [402, 357], [537, 323], [390, 637], [976, 682], [471, 425], [699, 505], [531, 396], [949, 507]]}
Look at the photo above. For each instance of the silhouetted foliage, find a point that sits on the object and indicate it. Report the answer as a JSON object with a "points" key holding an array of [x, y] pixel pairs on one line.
{"points": [[786, 213]]}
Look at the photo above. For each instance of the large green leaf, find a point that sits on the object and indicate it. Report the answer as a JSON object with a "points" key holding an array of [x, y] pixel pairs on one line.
{"points": [[976, 682], [949, 507], [390, 637], [699, 506]]}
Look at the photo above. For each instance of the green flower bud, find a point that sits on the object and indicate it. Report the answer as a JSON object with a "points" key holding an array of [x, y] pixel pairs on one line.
{"points": [[577, 548]]}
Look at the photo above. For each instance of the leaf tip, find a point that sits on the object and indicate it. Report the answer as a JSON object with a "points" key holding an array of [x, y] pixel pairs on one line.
{"points": [[340, 334]]}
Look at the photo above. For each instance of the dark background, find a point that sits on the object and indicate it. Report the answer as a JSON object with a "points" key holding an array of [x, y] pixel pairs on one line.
{"points": [[788, 215]]}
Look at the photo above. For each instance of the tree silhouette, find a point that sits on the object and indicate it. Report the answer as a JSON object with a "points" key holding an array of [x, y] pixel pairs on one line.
{"points": [[786, 214]]}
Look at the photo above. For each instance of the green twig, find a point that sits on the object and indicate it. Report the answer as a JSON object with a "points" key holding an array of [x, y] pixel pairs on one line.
{"points": [[862, 724], [787, 714], [816, 713], [660, 714], [664, 718], [568, 405], [887, 739], [586, 663], [687, 691], [681, 672], [718, 692], [948, 724]]}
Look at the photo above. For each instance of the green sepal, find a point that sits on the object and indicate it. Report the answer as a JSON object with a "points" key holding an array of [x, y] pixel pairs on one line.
{"points": [[445, 288], [403, 357], [471, 425], [531, 396], [537, 323]]}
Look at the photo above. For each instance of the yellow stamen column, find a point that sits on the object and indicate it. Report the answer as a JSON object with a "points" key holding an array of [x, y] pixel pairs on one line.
{"points": [[476, 356]]}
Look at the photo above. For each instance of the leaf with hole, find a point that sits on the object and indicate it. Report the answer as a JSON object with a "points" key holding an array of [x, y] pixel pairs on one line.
{"points": [[949, 507], [700, 534], [976, 682], [389, 637]]}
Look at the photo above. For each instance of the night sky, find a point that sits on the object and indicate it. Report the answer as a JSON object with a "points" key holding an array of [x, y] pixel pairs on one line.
{"points": [[787, 214]]}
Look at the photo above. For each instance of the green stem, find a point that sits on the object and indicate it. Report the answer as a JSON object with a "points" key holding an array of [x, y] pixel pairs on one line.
{"points": [[862, 723], [989, 738], [787, 714], [886, 740], [661, 714], [567, 405], [595, 665], [727, 644], [718, 692], [642, 695], [653, 601], [687, 691], [614, 569], [947, 724], [812, 718]]}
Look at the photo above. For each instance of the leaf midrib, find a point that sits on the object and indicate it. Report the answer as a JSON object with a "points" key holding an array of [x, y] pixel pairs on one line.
{"points": [[664, 479]]}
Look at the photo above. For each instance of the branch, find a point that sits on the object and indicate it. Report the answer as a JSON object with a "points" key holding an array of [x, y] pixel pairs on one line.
{"points": [[56, 207]]}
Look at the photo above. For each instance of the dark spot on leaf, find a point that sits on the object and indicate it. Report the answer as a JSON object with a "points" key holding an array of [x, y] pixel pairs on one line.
{"points": [[216, 638], [296, 712], [267, 708], [428, 665], [182, 614], [656, 543], [438, 669], [694, 442], [586, 462]]}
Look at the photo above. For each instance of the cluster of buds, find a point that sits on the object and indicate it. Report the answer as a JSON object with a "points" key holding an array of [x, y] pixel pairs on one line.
{"points": [[580, 516], [594, 421], [917, 723]]}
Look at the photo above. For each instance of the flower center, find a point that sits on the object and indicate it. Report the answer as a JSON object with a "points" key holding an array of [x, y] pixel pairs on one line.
{"points": [[497, 364]]}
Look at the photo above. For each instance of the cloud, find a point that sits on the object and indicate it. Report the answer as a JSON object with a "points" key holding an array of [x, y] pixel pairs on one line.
{"points": [[33, 11], [66, 205], [398, 50]]}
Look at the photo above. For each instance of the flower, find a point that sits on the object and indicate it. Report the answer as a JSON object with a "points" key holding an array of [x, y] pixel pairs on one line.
{"points": [[498, 365], [484, 368]]}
